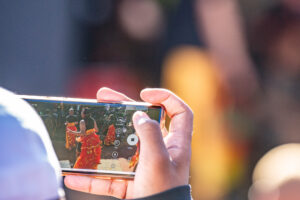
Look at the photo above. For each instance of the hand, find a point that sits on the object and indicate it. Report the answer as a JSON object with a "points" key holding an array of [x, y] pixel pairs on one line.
{"points": [[164, 156]]}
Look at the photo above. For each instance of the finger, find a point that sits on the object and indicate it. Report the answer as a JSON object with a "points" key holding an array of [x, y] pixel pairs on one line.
{"points": [[180, 113], [178, 140], [153, 149], [107, 94], [116, 188], [155, 166]]}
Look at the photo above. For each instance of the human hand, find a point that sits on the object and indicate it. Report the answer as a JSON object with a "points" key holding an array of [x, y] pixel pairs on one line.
{"points": [[164, 155]]}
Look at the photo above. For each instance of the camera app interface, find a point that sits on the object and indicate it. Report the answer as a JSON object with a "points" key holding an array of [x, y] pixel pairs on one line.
{"points": [[95, 136]]}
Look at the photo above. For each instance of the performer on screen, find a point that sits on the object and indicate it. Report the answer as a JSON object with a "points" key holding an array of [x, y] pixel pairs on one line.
{"points": [[134, 160], [71, 122], [90, 154], [110, 136]]}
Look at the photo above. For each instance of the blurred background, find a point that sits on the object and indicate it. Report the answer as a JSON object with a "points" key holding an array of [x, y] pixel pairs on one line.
{"points": [[236, 63]]}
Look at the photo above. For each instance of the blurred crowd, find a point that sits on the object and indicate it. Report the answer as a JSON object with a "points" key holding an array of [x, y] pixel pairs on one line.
{"points": [[236, 63]]}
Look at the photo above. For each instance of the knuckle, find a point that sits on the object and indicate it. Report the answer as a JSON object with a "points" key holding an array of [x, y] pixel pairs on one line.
{"points": [[109, 189], [189, 112], [117, 190], [187, 109]]}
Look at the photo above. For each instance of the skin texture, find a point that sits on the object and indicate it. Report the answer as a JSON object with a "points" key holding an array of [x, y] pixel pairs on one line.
{"points": [[164, 158]]}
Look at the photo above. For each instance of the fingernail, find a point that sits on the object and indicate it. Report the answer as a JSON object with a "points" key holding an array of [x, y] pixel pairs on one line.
{"points": [[140, 117], [141, 121]]}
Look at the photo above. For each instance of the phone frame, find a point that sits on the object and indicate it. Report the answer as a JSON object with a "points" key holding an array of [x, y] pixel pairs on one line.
{"points": [[92, 172]]}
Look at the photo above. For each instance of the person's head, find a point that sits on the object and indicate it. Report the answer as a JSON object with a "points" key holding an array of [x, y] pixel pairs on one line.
{"points": [[277, 174], [85, 112], [71, 111], [29, 168]]}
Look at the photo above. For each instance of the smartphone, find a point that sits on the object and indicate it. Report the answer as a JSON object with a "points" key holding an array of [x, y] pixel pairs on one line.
{"points": [[93, 138]]}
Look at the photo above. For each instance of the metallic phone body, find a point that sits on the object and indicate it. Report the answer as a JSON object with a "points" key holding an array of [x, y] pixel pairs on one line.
{"points": [[119, 145]]}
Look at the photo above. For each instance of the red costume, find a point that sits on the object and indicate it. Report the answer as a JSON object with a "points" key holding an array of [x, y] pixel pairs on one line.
{"points": [[110, 136], [70, 138], [90, 155], [134, 160]]}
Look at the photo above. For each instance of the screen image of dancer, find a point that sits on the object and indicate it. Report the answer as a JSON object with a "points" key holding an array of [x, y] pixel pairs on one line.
{"points": [[93, 138]]}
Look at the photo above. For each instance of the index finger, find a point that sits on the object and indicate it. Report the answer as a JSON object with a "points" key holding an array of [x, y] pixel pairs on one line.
{"points": [[105, 94], [180, 113]]}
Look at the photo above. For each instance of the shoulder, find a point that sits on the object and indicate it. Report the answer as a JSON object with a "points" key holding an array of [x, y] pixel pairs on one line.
{"points": [[11, 105], [22, 128]]}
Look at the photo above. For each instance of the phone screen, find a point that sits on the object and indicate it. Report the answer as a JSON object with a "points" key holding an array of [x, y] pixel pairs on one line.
{"points": [[93, 137]]}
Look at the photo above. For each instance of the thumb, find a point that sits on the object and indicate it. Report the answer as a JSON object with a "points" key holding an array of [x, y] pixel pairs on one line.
{"points": [[152, 146]]}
